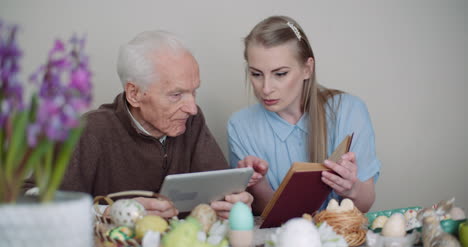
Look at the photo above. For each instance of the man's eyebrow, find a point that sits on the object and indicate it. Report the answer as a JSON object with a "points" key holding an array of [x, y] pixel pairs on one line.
{"points": [[179, 89]]}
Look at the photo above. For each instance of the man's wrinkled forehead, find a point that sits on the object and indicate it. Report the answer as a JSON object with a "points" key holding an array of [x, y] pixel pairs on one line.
{"points": [[177, 68]]}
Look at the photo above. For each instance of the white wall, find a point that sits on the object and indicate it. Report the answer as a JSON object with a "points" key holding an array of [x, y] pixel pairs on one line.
{"points": [[406, 59]]}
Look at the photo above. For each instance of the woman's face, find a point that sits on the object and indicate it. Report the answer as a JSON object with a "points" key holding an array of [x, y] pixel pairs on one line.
{"points": [[277, 77]]}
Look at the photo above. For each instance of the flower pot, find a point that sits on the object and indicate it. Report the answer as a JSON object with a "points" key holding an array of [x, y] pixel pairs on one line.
{"points": [[66, 221]]}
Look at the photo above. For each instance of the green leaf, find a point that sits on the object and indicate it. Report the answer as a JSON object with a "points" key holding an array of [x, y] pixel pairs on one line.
{"points": [[61, 163], [16, 143], [34, 161], [2, 141]]}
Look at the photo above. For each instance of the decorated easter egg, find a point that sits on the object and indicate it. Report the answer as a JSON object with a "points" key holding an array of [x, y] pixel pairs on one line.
{"points": [[205, 215], [121, 233], [126, 212], [240, 217], [298, 232], [411, 219]]}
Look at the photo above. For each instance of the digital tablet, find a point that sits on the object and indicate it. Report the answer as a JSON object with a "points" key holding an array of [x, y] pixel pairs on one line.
{"points": [[187, 190]]}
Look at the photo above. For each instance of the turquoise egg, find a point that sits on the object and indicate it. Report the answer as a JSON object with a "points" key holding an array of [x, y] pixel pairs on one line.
{"points": [[241, 218]]}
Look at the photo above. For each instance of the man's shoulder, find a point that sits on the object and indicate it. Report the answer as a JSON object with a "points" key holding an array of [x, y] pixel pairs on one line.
{"points": [[99, 121]]}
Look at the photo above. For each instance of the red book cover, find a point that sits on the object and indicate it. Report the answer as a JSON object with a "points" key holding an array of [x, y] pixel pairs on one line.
{"points": [[301, 191]]}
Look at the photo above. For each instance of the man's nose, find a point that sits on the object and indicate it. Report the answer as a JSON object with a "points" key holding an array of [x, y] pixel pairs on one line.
{"points": [[190, 106]]}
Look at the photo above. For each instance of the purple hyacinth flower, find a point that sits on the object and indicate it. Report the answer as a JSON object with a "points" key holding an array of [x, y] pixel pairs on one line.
{"points": [[33, 133], [80, 80]]}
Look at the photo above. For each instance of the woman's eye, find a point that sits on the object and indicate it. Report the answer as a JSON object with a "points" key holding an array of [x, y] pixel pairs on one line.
{"points": [[280, 74], [255, 74]]}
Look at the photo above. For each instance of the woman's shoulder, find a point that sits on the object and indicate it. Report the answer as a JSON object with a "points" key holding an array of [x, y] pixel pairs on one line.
{"points": [[345, 102], [247, 115]]}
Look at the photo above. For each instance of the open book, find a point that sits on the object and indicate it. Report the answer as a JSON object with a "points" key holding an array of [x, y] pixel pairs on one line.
{"points": [[301, 191]]}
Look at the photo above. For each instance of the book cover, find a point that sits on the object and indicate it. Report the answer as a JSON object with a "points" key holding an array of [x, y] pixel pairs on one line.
{"points": [[301, 191]]}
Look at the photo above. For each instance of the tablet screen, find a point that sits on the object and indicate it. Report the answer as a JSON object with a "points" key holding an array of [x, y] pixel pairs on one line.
{"points": [[187, 190]]}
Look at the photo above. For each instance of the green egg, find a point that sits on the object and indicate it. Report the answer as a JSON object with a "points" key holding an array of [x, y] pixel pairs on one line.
{"points": [[241, 218]]}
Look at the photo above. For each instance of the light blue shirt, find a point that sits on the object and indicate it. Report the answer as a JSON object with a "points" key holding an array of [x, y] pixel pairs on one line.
{"points": [[259, 132]]}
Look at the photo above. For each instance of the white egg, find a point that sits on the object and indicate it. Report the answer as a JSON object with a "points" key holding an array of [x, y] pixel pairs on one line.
{"points": [[457, 213], [333, 206], [395, 226], [298, 232], [346, 205]]}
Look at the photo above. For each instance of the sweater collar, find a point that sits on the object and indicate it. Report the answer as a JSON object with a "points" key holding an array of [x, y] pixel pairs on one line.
{"points": [[122, 112]]}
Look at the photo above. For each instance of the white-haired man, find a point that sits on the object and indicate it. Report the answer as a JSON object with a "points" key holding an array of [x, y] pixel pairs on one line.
{"points": [[152, 129]]}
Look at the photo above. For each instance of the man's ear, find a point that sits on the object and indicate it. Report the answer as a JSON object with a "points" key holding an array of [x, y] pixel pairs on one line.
{"points": [[309, 68], [132, 93]]}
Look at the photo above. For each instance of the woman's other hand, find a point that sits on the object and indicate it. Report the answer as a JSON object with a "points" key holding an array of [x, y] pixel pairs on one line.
{"points": [[259, 166]]}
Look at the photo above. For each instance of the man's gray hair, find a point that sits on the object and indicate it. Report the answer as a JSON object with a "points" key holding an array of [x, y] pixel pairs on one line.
{"points": [[136, 60]]}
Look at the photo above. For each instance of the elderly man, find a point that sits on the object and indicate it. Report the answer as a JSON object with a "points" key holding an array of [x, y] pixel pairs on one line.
{"points": [[152, 129]]}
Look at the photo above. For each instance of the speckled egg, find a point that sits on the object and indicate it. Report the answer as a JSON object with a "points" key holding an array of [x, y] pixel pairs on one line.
{"points": [[126, 212], [240, 217], [205, 215], [411, 219]]}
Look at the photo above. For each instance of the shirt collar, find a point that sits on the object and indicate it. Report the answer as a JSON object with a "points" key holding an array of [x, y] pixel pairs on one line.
{"points": [[281, 127], [138, 125]]}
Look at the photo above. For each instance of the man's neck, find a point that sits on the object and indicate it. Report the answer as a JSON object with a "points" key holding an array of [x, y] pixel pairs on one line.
{"points": [[140, 124]]}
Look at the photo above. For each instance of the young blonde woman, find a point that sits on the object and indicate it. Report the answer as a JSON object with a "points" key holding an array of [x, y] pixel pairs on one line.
{"points": [[297, 119]]}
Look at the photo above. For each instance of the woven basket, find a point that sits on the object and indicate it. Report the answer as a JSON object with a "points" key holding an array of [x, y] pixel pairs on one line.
{"points": [[104, 223]]}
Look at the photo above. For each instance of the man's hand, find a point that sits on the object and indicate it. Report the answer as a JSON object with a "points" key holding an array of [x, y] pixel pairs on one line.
{"points": [[259, 166], [223, 208], [163, 208]]}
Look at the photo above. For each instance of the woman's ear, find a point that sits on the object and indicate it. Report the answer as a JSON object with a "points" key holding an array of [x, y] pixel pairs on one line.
{"points": [[132, 94], [309, 68]]}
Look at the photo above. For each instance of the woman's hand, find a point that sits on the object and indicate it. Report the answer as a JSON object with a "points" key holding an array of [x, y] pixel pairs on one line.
{"points": [[345, 181], [163, 208], [259, 166], [223, 208]]}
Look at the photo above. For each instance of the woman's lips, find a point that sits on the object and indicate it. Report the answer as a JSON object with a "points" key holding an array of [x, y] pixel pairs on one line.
{"points": [[270, 101]]}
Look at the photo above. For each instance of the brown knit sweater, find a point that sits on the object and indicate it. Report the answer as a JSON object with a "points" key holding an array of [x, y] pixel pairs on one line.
{"points": [[113, 155]]}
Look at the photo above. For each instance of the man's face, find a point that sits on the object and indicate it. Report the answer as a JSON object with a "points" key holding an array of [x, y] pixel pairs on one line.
{"points": [[163, 109]]}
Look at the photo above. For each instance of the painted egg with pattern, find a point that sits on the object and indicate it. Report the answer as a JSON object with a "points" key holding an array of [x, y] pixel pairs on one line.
{"points": [[126, 212]]}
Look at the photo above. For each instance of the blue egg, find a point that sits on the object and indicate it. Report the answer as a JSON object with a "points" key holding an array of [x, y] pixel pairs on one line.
{"points": [[241, 218]]}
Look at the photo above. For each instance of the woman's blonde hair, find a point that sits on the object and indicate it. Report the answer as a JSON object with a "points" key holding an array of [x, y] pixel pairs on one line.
{"points": [[278, 30]]}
